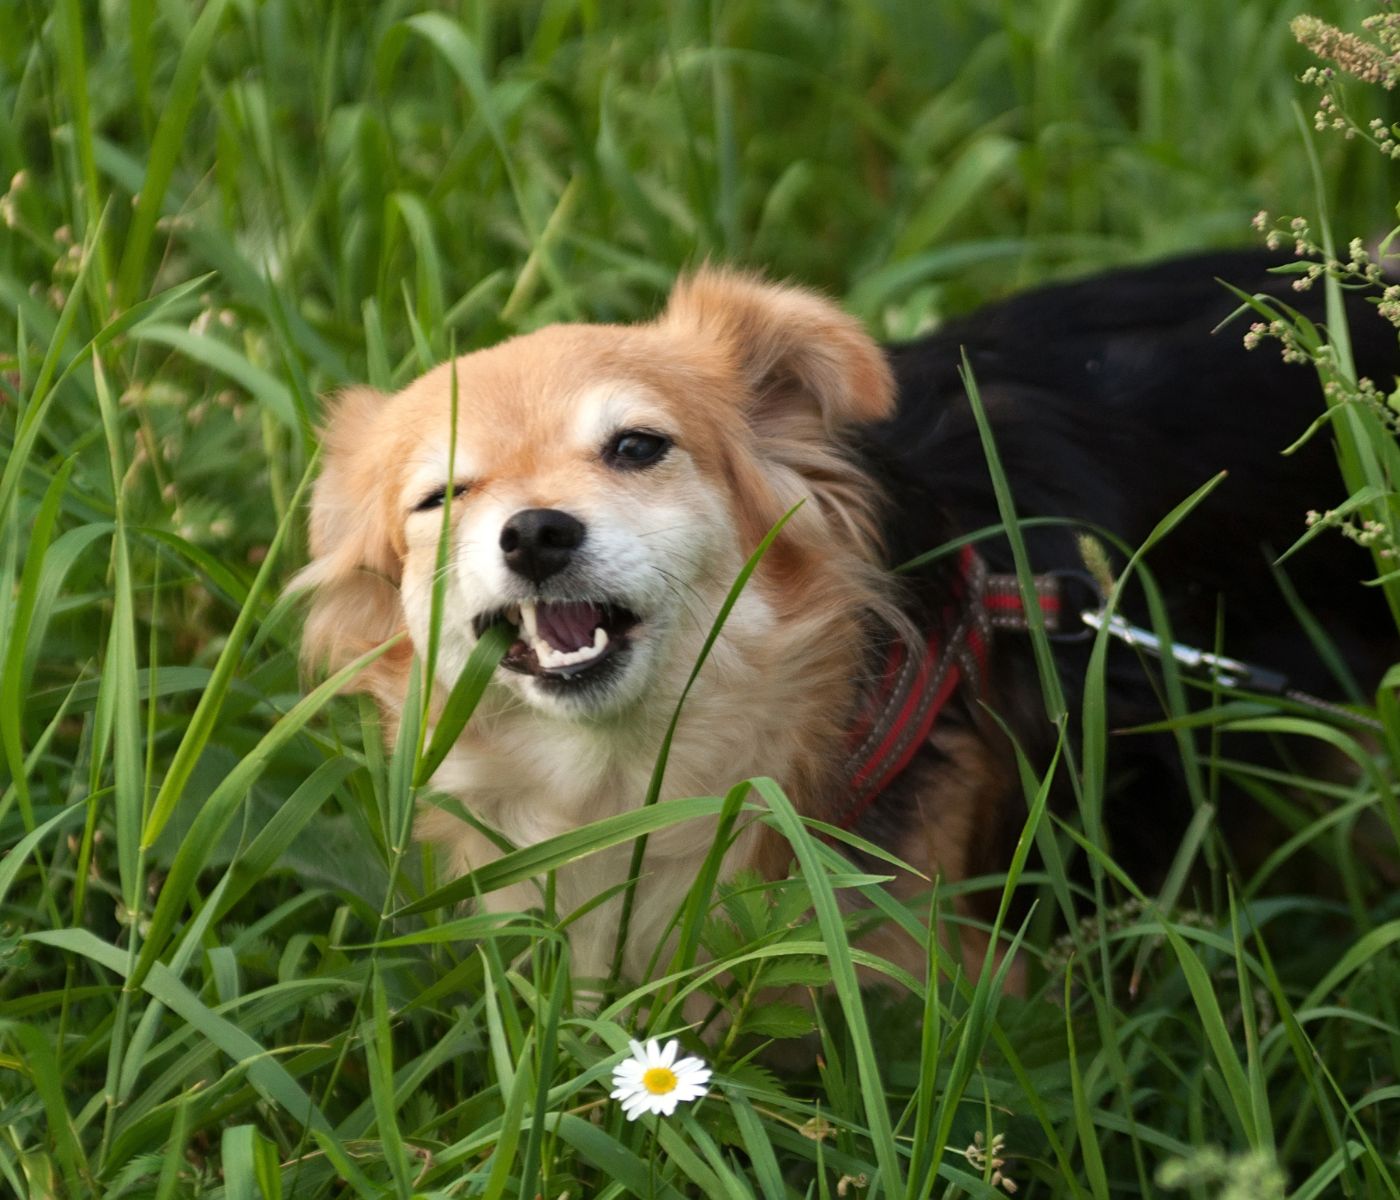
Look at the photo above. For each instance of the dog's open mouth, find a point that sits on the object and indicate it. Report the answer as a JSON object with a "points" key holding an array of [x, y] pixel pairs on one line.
{"points": [[562, 640]]}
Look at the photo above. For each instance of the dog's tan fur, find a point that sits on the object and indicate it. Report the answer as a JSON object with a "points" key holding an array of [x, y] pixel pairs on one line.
{"points": [[757, 385]]}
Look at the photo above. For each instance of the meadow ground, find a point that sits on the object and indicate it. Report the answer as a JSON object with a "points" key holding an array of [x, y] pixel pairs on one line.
{"points": [[218, 213]]}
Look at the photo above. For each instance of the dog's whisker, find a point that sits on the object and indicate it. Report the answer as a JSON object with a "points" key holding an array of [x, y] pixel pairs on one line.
{"points": [[685, 593]]}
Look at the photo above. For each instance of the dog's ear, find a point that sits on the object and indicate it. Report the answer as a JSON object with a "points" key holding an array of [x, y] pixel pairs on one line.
{"points": [[798, 354], [807, 372], [355, 564]]}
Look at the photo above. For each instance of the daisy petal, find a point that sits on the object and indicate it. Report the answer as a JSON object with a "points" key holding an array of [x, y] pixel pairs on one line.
{"points": [[651, 1066]]}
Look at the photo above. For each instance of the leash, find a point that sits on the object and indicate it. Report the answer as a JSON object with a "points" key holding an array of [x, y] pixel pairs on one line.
{"points": [[1217, 668], [898, 711]]}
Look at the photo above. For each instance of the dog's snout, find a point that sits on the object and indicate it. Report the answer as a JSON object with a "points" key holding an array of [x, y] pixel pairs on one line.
{"points": [[538, 542]]}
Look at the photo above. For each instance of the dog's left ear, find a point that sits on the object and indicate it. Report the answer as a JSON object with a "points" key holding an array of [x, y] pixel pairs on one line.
{"points": [[798, 354], [355, 561]]}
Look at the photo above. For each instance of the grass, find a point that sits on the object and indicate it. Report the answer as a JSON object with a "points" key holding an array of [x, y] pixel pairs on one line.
{"points": [[226, 970]]}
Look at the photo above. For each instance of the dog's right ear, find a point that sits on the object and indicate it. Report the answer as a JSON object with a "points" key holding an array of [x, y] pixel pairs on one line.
{"points": [[354, 570], [807, 368], [805, 374]]}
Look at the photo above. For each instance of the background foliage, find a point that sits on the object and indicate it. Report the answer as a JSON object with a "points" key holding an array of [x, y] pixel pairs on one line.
{"points": [[216, 213]]}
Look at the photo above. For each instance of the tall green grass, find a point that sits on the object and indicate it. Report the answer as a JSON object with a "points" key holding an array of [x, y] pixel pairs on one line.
{"points": [[226, 970]]}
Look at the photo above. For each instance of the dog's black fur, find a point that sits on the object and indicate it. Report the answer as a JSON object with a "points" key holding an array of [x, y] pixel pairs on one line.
{"points": [[1112, 400]]}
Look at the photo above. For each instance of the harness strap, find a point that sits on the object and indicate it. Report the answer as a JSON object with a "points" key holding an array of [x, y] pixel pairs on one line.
{"points": [[1006, 607], [900, 705], [899, 710]]}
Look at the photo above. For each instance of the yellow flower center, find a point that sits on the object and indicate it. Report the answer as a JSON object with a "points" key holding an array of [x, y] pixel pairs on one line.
{"points": [[659, 1080]]}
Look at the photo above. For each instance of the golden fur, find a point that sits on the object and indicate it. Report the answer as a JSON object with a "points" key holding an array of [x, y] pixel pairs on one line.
{"points": [[757, 386]]}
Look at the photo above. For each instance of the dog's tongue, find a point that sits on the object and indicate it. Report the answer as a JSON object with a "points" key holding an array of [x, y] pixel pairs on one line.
{"points": [[567, 626]]}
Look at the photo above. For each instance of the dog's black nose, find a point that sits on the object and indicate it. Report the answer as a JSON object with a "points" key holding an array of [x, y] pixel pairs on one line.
{"points": [[538, 542]]}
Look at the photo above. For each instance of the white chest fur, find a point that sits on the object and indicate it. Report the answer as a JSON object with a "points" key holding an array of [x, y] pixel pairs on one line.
{"points": [[533, 776]]}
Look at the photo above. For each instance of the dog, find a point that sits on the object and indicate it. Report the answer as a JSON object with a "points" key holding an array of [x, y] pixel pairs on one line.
{"points": [[608, 483]]}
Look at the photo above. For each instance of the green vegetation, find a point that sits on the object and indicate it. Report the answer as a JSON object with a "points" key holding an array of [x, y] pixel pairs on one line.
{"points": [[216, 214]]}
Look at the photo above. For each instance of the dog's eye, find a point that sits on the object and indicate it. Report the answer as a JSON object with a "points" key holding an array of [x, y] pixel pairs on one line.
{"points": [[636, 448], [435, 498]]}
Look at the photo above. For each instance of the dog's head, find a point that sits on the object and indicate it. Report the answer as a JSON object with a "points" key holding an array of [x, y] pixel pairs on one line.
{"points": [[604, 485]]}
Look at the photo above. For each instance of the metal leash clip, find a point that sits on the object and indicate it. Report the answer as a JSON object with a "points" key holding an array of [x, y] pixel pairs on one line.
{"points": [[1227, 672]]}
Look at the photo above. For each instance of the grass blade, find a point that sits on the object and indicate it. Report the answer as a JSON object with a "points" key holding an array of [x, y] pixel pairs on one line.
{"points": [[171, 133]]}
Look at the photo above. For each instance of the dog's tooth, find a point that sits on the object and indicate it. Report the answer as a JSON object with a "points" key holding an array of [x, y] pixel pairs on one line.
{"points": [[513, 615], [548, 656], [527, 621]]}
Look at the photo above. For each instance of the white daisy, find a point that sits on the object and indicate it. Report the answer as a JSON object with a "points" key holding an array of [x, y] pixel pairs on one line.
{"points": [[653, 1081]]}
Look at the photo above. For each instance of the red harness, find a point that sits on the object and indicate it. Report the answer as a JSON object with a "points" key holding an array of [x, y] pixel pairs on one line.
{"points": [[898, 711]]}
